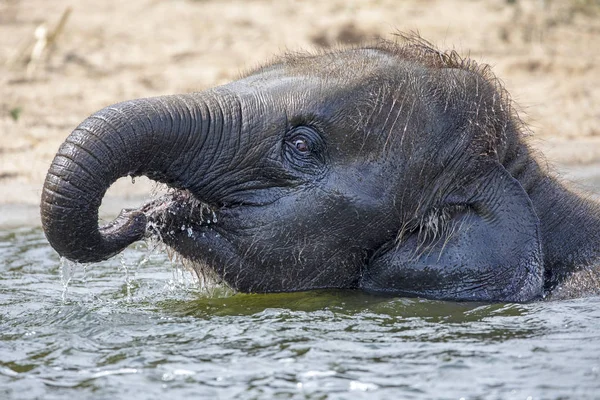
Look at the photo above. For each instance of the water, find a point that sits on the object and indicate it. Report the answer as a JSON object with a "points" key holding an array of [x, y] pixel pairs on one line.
{"points": [[122, 330]]}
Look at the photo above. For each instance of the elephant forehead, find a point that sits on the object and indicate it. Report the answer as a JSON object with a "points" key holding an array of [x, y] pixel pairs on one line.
{"points": [[347, 65], [344, 70], [356, 102]]}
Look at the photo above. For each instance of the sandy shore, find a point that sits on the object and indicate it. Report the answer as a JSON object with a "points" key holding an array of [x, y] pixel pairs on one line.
{"points": [[546, 53]]}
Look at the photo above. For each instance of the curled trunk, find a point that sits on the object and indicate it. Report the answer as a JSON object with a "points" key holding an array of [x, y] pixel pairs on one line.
{"points": [[158, 137]]}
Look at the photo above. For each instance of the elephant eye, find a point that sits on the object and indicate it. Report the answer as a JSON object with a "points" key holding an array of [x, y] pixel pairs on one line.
{"points": [[303, 140], [301, 145], [304, 149]]}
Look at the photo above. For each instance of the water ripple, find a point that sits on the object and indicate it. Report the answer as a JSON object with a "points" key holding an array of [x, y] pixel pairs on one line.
{"points": [[143, 333]]}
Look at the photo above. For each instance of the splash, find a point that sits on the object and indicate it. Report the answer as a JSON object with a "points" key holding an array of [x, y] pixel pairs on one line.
{"points": [[192, 276], [186, 275]]}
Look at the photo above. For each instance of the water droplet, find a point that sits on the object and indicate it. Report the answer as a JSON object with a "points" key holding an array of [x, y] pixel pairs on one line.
{"points": [[128, 284], [133, 179], [84, 278]]}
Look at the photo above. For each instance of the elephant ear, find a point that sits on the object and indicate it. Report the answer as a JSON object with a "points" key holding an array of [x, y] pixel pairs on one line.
{"points": [[486, 247]]}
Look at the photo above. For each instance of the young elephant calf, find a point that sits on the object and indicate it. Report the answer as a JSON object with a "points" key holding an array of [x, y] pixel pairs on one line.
{"points": [[395, 168]]}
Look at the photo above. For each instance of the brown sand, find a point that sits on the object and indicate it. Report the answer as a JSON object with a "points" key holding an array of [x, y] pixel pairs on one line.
{"points": [[547, 53]]}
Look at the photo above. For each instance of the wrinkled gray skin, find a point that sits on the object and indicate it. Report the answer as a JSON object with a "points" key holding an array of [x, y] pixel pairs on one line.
{"points": [[394, 169]]}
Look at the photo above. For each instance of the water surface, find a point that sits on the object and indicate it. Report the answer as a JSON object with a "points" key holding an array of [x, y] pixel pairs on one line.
{"points": [[136, 327]]}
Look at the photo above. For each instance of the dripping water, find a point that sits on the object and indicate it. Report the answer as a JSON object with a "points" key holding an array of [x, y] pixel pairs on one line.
{"points": [[67, 270], [128, 277]]}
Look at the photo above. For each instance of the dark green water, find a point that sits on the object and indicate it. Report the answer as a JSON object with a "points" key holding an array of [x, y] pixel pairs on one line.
{"points": [[135, 328]]}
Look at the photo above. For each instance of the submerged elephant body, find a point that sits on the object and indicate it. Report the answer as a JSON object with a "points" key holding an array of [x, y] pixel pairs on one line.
{"points": [[394, 168]]}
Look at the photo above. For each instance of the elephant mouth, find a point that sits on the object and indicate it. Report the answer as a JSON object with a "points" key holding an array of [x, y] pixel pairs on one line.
{"points": [[179, 211], [191, 228]]}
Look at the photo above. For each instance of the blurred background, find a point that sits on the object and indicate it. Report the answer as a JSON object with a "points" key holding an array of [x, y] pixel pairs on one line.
{"points": [[61, 60]]}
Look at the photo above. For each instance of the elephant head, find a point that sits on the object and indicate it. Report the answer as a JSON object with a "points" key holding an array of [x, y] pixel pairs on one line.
{"points": [[392, 168]]}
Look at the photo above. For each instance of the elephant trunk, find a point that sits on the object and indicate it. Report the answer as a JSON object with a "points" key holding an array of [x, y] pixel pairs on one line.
{"points": [[160, 137]]}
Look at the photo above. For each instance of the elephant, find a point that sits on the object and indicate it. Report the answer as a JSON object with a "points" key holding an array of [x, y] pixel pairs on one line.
{"points": [[394, 168]]}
